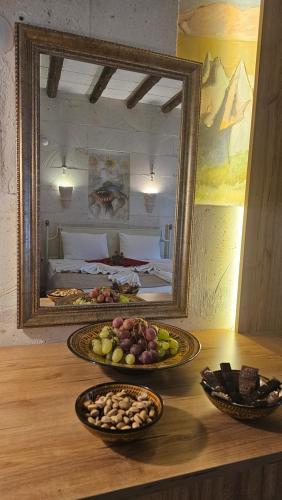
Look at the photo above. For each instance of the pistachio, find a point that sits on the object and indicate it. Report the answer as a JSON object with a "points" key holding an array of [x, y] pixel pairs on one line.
{"points": [[135, 425], [91, 420], [106, 419], [137, 419], [126, 420], [94, 412], [107, 408], [143, 396], [105, 426], [143, 415], [124, 405], [112, 412], [152, 412]]}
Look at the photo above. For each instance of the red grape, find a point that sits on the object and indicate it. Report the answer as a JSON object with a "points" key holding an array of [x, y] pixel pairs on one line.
{"points": [[150, 334], [128, 323], [117, 322], [126, 344], [100, 298], [153, 345], [123, 334], [136, 349], [145, 358], [155, 356], [94, 293], [108, 299]]}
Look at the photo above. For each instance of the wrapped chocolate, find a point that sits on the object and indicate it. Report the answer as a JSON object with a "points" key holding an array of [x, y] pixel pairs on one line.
{"points": [[229, 382], [211, 379], [264, 390], [248, 380]]}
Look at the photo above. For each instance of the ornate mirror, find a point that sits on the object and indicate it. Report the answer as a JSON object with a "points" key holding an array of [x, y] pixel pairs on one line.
{"points": [[107, 140]]}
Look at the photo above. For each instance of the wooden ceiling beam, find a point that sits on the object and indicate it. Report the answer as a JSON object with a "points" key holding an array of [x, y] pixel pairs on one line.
{"points": [[141, 90], [101, 84], [172, 102], [54, 75]]}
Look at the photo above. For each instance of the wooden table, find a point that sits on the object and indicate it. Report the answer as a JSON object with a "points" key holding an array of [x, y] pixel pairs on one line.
{"points": [[194, 452]]}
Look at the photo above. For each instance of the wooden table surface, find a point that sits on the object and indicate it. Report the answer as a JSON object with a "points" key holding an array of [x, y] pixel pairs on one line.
{"points": [[46, 452]]}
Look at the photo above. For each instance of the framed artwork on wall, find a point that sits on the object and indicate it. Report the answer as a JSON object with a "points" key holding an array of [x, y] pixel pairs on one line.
{"points": [[109, 185]]}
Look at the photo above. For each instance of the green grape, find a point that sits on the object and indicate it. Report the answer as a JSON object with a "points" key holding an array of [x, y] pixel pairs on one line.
{"points": [[163, 334], [173, 351], [161, 352], [173, 344], [109, 356], [105, 332], [97, 346], [123, 299], [165, 345], [117, 355], [130, 359], [107, 345]]}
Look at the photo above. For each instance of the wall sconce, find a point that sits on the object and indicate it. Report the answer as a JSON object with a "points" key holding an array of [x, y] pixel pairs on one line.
{"points": [[149, 202], [65, 195]]}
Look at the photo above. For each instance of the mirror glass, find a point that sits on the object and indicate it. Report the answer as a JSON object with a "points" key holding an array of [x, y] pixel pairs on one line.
{"points": [[109, 141]]}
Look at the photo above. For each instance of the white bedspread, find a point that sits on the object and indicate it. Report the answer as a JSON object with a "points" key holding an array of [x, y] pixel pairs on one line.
{"points": [[161, 268]]}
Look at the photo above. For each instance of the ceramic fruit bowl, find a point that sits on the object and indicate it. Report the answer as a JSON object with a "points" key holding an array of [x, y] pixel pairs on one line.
{"points": [[116, 434], [80, 343]]}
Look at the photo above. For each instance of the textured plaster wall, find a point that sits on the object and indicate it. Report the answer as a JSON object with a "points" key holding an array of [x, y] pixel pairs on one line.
{"points": [[74, 129], [144, 23]]}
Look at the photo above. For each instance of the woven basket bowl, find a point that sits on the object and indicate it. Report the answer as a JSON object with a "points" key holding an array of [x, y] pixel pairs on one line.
{"points": [[112, 435], [239, 411]]}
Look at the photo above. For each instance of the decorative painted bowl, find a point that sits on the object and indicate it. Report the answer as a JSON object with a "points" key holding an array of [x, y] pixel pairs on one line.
{"points": [[236, 410], [80, 343], [113, 435]]}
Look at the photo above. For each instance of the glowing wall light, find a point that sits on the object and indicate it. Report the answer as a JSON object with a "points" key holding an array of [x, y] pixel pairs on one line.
{"points": [[65, 195], [238, 228]]}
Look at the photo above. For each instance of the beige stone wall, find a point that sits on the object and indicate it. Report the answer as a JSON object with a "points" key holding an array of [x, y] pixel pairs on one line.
{"points": [[145, 24]]}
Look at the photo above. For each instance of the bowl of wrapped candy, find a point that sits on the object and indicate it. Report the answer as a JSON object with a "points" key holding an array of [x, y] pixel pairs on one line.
{"points": [[243, 394]]}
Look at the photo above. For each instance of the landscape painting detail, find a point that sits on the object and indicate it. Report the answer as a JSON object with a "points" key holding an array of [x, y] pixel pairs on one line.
{"points": [[222, 35], [108, 185]]}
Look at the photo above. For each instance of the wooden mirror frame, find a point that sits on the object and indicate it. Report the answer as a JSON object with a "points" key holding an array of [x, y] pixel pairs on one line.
{"points": [[30, 42]]}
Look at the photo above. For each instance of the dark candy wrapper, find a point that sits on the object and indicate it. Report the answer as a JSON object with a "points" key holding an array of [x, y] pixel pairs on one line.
{"points": [[229, 382], [248, 380], [264, 390], [211, 379]]}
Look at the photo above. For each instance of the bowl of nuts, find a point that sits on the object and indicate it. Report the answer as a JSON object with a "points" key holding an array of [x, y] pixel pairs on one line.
{"points": [[119, 411]]}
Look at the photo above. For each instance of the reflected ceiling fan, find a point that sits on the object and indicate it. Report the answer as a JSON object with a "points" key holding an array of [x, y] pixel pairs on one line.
{"points": [[65, 167]]}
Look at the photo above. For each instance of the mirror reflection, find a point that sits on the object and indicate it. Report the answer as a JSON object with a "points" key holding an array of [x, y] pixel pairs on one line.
{"points": [[109, 143]]}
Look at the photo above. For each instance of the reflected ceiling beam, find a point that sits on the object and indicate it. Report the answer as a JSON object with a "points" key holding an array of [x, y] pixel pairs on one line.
{"points": [[172, 102], [101, 84], [141, 90], [54, 75]]}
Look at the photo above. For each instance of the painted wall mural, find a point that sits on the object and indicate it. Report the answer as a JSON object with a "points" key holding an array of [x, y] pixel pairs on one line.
{"points": [[108, 185], [222, 35]]}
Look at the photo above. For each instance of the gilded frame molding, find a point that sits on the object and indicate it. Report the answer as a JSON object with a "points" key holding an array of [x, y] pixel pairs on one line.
{"points": [[30, 42]]}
